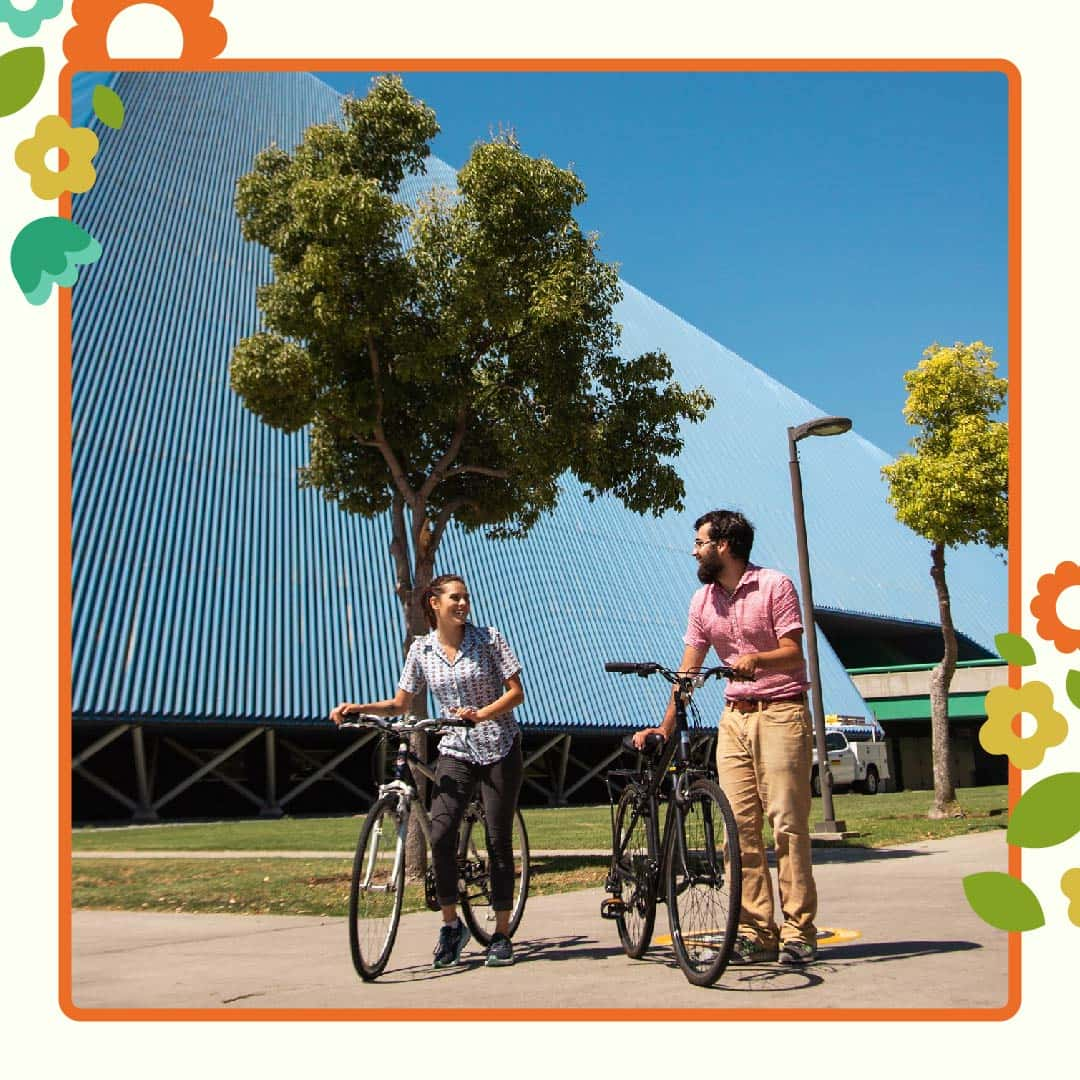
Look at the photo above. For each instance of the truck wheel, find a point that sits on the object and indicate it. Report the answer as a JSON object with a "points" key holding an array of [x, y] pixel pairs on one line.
{"points": [[815, 782], [870, 784]]}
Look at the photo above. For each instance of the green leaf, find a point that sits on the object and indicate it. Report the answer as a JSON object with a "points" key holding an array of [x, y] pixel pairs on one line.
{"points": [[1003, 901], [108, 107], [1072, 687], [21, 72], [1047, 814], [1014, 649], [49, 251]]}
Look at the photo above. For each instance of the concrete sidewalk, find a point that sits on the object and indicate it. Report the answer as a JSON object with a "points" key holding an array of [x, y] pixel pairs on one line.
{"points": [[906, 939]]}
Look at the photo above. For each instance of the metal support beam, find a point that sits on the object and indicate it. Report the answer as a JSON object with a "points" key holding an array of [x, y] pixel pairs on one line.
{"points": [[592, 772], [109, 790], [327, 769], [271, 807], [145, 811], [99, 744], [543, 749], [560, 780], [211, 767]]}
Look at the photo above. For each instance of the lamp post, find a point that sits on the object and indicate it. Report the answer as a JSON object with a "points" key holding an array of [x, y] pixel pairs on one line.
{"points": [[824, 425]]}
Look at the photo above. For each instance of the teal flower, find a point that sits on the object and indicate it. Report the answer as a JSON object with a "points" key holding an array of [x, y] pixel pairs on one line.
{"points": [[28, 23], [49, 251]]}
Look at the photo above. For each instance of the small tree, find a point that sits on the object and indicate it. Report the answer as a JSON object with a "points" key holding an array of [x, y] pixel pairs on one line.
{"points": [[952, 490], [453, 359]]}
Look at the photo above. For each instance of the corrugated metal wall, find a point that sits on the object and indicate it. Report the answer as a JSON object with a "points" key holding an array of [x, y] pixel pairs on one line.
{"points": [[208, 588]]}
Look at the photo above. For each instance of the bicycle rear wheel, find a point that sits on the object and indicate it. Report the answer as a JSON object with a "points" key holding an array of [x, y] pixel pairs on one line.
{"points": [[704, 883], [632, 870], [378, 886], [475, 876]]}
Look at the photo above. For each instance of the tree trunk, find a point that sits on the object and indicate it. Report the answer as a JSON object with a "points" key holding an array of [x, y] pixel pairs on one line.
{"points": [[411, 581], [945, 804]]}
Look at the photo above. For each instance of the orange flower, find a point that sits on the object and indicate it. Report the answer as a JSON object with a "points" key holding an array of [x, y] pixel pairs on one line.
{"points": [[1044, 607], [85, 44], [1002, 704]]}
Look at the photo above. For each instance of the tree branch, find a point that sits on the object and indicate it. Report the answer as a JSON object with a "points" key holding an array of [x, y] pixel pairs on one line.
{"points": [[445, 514], [479, 470], [382, 444], [439, 472]]}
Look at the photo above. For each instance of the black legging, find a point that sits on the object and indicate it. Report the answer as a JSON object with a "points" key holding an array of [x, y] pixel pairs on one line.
{"points": [[455, 782]]}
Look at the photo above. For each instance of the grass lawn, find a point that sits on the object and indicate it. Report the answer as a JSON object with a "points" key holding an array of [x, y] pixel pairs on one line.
{"points": [[319, 886]]}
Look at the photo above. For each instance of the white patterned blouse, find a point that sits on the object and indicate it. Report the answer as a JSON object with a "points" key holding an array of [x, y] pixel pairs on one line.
{"points": [[476, 678]]}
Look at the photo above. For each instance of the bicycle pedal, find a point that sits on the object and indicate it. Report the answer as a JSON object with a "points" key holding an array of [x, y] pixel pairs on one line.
{"points": [[612, 908]]}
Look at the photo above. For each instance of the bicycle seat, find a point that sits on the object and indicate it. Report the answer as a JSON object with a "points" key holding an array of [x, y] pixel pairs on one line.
{"points": [[654, 743]]}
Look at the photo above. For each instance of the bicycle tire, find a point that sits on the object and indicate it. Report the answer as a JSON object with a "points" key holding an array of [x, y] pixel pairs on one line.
{"points": [[475, 881], [377, 887], [633, 872], [704, 892]]}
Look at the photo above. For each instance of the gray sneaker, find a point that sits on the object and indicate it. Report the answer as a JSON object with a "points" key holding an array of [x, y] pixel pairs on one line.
{"points": [[747, 950], [452, 939], [500, 952], [798, 952]]}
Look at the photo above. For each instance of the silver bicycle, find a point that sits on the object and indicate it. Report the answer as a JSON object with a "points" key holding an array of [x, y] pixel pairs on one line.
{"points": [[377, 893]]}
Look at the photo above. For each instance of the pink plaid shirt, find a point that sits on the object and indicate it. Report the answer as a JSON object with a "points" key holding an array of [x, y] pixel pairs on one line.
{"points": [[763, 608]]}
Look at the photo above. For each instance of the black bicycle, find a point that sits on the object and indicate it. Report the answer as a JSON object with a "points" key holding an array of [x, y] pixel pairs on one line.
{"points": [[378, 876], [694, 865]]}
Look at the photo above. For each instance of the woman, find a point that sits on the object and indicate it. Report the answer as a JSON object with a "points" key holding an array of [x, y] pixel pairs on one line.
{"points": [[472, 674]]}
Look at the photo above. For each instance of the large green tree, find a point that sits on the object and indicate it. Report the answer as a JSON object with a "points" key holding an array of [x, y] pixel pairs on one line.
{"points": [[952, 489], [452, 359]]}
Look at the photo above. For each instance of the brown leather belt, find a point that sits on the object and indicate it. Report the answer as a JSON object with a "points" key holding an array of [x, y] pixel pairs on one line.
{"points": [[745, 705]]}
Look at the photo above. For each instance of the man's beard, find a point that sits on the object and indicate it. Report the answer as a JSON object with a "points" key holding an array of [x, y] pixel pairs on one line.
{"points": [[709, 568]]}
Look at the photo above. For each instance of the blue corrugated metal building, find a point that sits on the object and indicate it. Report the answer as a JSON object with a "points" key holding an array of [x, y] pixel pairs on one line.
{"points": [[218, 610]]}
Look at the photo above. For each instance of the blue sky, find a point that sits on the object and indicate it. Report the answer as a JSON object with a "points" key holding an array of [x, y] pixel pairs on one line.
{"points": [[825, 226]]}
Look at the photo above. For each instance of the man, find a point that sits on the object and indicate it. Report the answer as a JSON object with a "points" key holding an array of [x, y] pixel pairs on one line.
{"points": [[750, 616]]}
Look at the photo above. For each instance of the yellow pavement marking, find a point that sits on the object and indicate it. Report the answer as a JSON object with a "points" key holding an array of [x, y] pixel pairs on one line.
{"points": [[825, 936]]}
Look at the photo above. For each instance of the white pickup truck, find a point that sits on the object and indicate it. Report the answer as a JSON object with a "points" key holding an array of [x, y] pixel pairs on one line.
{"points": [[857, 758]]}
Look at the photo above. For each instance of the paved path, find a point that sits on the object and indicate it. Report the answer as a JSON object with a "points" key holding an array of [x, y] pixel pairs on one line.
{"points": [[919, 946]]}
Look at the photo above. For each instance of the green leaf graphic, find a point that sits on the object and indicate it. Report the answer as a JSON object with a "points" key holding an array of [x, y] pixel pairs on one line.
{"points": [[21, 72], [1014, 649], [1048, 813], [108, 107], [1072, 687], [1003, 902], [49, 252]]}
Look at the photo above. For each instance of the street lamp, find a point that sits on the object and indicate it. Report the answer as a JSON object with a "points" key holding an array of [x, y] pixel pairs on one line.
{"points": [[823, 425]]}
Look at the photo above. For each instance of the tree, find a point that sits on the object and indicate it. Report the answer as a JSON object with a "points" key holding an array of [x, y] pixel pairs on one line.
{"points": [[451, 359], [952, 490]]}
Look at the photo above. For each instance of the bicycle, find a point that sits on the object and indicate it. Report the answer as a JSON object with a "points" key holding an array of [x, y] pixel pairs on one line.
{"points": [[695, 866], [377, 889]]}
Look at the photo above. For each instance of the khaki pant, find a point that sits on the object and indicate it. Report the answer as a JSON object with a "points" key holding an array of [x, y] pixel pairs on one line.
{"points": [[763, 759]]}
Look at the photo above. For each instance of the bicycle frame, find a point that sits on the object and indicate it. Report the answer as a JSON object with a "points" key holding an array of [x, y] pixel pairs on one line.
{"points": [[674, 757]]}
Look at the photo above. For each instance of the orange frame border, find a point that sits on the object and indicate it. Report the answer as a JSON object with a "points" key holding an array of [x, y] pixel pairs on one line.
{"points": [[1000, 66]]}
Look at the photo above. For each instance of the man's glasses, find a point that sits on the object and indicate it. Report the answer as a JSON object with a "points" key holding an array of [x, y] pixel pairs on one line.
{"points": [[699, 544]]}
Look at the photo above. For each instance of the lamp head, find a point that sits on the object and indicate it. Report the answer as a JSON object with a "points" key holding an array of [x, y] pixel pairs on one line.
{"points": [[823, 425]]}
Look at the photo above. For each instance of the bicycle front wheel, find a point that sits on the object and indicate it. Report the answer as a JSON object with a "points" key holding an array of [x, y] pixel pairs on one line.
{"points": [[474, 871], [704, 883], [632, 869], [378, 886]]}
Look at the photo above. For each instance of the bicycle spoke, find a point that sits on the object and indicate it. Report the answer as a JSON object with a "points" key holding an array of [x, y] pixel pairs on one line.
{"points": [[704, 885], [633, 873], [474, 868], [377, 888]]}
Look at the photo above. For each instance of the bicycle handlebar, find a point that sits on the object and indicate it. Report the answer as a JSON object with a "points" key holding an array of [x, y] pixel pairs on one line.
{"points": [[406, 724], [644, 670]]}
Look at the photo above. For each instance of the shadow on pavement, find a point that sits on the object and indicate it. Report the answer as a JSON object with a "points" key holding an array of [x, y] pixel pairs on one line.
{"points": [[876, 952]]}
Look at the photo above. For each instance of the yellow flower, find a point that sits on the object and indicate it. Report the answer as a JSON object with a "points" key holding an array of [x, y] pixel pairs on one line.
{"points": [[80, 145], [1002, 704], [1070, 886]]}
